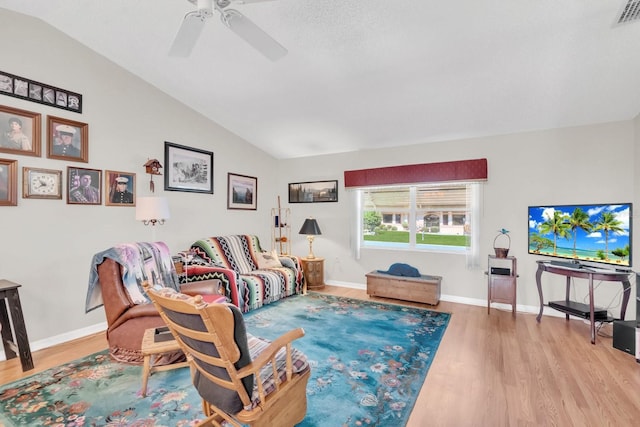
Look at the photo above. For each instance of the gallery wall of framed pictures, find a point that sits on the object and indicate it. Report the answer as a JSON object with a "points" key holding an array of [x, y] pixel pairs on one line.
{"points": [[66, 139], [191, 169]]}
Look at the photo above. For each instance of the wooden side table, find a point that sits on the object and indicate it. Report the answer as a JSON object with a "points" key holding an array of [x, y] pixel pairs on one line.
{"points": [[9, 295], [313, 269], [150, 350]]}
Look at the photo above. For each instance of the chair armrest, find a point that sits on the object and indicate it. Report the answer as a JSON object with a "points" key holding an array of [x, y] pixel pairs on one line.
{"points": [[140, 310], [269, 353], [202, 287]]}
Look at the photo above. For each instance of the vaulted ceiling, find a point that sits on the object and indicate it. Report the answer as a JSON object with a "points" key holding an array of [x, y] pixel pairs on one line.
{"points": [[364, 74]]}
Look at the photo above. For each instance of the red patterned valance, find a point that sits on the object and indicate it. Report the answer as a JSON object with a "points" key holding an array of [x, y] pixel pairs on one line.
{"points": [[462, 170]]}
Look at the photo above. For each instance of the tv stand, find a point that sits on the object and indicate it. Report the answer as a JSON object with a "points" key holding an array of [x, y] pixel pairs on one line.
{"points": [[581, 310], [591, 275]]}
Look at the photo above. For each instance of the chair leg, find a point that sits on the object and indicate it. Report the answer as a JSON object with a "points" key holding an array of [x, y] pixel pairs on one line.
{"points": [[214, 421], [146, 368]]}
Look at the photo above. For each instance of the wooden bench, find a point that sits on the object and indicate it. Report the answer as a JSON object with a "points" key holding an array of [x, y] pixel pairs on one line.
{"points": [[424, 289]]}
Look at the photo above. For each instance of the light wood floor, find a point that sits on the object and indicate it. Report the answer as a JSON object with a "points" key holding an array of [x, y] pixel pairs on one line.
{"points": [[490, 370]]}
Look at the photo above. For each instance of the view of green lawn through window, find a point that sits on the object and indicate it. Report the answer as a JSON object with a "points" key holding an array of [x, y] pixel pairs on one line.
{"points": [[426, 238], [417, 216]]}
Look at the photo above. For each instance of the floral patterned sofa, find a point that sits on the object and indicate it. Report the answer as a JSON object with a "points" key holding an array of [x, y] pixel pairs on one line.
{"points": [[250, 276]]}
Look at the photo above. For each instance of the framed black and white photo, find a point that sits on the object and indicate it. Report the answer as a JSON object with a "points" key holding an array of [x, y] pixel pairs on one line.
{"points": [[21, 131], [242, 192], [313, 192], [187, 169]]}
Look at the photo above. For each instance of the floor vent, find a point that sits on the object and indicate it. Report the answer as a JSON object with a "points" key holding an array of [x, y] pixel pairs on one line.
{"points": [[630, 12]]}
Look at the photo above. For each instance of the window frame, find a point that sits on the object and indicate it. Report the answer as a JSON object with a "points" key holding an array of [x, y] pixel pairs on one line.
{"points": [[413, 210]]}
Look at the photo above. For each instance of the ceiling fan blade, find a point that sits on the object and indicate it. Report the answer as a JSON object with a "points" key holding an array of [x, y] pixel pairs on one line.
{"points": [[252, 34], [188, 34]]}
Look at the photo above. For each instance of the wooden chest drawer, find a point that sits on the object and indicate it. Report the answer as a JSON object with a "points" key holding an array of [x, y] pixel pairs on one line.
{"points": [[424, 289]]}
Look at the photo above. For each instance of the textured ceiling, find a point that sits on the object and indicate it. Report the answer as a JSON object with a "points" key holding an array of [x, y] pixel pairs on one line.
{"points": [[371, 73]]}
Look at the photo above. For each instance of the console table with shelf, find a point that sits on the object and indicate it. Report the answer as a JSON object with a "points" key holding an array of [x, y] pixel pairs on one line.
{"points": [[590, 274]]}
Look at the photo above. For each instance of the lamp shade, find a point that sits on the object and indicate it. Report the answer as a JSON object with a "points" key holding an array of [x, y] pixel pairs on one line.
{"points": [[152, 209], [311, 227]]}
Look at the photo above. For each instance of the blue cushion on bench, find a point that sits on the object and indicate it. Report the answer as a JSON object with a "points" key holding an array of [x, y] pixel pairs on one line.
{"points": [[399, 269]]}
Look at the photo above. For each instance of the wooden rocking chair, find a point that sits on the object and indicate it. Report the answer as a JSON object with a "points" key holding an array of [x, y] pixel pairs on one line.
{"points": [[241, 379]]}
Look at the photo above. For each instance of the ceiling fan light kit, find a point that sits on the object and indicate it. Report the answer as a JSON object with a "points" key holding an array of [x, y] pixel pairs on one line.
{"points": [[193, 23]]}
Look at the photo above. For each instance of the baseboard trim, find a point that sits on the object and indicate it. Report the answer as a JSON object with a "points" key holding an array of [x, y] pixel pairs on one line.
{"points": [[62, 338]]}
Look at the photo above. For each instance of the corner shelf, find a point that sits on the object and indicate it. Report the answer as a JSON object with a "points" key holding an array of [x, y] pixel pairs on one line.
{"points": [[281, 231]]}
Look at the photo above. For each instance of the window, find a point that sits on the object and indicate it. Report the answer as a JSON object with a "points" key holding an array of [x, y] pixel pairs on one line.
{"points": [[422, 216]]}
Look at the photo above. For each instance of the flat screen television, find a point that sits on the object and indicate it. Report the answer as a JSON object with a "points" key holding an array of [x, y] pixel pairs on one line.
{"points": [[600, 233]]}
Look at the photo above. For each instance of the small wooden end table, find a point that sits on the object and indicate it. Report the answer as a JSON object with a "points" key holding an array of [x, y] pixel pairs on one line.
{"points": [[313, 269], [150, 350]]}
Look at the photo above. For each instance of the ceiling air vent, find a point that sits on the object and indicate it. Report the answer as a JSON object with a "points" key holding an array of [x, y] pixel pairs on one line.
{"points": [[630, 12]]}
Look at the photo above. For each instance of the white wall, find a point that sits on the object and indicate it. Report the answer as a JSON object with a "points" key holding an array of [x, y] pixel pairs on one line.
{"points": [[48, 244], [590, 164]]}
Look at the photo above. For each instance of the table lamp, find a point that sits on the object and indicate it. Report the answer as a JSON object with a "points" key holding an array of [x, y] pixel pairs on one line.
{"points": [[311, 229]]}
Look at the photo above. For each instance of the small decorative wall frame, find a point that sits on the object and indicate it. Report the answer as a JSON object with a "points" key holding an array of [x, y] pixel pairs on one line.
{"points": [[31, 90], [21, 131], [67, 140], [84, 186], [120, 188], [242, 192], [313, 192], [8, 182], [41, 183], [187, 169]]}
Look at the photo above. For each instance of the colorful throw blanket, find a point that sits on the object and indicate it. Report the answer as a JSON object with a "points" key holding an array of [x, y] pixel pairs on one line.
{"points": [[141, 262]]}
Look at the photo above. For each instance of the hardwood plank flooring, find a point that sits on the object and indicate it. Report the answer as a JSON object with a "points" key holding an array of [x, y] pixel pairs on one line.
{"points": [[490, 370]]}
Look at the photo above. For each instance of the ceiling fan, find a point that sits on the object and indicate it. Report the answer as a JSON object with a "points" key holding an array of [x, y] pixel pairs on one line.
{"points": [[193, 23]]}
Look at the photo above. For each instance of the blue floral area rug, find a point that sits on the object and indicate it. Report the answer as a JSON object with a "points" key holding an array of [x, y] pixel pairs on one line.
{"points": [[368, 362], [97, 391]]}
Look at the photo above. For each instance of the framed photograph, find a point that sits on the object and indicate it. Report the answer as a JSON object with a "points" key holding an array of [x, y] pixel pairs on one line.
{"points": [[188, 169], [21, 131], [242, 192], [120, 188], [84, 186], [41, 183], [31, 90], [313, 192], [67, 140], [8, 182]]}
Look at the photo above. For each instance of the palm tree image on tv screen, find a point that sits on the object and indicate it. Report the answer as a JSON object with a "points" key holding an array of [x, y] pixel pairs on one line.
{"points": [[598, 233]]}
